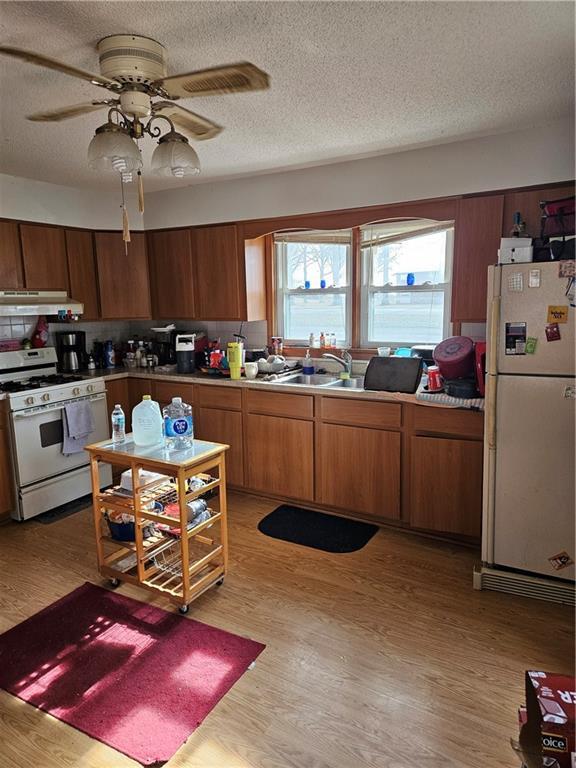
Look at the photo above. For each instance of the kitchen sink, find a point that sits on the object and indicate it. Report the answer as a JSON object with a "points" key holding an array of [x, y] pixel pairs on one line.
{"points": [[320, 380], [354, 382]]}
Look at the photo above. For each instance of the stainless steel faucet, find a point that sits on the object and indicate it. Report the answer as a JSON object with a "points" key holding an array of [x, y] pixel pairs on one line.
{"points": [[345, 361]]}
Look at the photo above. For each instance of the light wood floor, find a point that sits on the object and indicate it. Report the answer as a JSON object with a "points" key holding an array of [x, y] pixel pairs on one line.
{"points": [[384, 658]]}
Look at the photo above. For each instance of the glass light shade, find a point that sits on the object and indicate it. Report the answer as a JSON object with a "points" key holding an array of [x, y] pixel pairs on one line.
{"points": [[112, 149], [175, 157]]}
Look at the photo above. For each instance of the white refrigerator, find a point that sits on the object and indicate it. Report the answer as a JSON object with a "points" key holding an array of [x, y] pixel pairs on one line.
{"points": [[528, 533]]}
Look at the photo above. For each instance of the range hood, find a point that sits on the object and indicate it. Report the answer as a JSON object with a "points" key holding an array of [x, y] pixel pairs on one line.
{"points": [[38, 303]]}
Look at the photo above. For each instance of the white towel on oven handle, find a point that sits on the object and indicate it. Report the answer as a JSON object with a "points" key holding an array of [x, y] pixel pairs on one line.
{"points": [[78, 424]]}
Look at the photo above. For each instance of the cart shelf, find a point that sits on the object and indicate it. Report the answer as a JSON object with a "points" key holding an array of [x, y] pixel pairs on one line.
{"points": [[180, 566]]}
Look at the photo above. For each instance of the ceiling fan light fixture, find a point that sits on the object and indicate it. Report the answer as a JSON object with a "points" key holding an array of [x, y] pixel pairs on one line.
{"points": [[112, 149], [175, 157]]}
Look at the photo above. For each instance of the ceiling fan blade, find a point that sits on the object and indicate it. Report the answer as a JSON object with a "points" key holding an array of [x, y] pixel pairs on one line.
{"points": [[46, 61], [230, 78], [74, 110], [197, 126]]}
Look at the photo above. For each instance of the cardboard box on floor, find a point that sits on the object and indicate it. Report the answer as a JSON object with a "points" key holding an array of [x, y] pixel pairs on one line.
{"points": [[548, 721]]}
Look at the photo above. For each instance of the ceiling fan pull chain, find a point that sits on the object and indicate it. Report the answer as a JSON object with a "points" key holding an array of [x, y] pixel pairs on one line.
{"points": [[140, 193], [125, 222]]}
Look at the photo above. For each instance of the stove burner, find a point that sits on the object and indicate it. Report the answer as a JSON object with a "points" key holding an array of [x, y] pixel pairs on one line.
{"points": [[37, 382]]}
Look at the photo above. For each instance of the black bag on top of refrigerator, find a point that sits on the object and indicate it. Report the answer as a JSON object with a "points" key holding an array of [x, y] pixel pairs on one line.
{"points": [[557, 218]]}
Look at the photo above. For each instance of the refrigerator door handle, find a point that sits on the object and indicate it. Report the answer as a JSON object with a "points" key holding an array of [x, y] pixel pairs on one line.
{"points": [[494, 325]]}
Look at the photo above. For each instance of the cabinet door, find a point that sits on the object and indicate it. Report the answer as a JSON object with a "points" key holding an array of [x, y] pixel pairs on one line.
{"points": [[171, 274], [44, 258], [82, 271], [220, 426], [477, 238], [11, 274], [117, 392], [280, 456], [219, 281], [446, 485], [359, 470], [123, 279]]}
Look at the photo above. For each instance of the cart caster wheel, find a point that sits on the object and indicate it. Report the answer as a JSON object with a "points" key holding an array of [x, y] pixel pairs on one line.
{"points": [[183, 609], [114, 583], [220, 582]]}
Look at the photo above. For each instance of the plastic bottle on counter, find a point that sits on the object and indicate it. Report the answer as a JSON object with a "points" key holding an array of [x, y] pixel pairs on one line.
{"points": [[118, 425], [178, 424], [322, 340], [147, 422], [308, 365]]}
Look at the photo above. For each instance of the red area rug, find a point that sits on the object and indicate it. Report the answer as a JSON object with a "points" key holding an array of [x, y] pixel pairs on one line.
{"points": [[133, 676]]}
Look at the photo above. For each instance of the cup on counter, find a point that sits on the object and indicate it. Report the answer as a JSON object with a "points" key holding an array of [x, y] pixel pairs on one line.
{"points": [[384, 351], [235, 371], [251, 370]]}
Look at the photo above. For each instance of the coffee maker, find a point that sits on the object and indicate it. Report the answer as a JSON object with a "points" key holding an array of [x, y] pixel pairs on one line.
{"points": [[71, 351]]}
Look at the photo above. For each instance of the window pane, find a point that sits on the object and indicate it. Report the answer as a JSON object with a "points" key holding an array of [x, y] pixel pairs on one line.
{"points": [[412, 317], [314, 262], [424, 257], [313, 313]]}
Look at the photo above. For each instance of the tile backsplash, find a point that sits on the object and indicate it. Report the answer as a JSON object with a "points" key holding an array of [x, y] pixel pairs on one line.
{"points": [[19, 327]]}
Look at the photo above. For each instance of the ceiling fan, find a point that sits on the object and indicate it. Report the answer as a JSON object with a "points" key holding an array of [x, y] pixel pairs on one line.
{"points": [[134, 70]]}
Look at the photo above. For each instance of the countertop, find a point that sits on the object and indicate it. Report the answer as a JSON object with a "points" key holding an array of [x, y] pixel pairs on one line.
{"points": [[391, 397]]}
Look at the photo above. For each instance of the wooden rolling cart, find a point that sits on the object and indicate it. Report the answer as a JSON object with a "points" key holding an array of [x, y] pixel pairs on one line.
{"points": [[160, 558]]}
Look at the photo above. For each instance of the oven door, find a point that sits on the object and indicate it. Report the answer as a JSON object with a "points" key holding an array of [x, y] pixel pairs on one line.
{"points": [[38, 435]]}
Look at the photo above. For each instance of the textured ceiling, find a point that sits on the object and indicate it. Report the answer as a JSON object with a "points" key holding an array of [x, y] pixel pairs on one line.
{"points": [[348, 79]]}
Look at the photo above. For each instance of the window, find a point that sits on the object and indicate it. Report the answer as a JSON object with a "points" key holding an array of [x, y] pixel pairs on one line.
{"points": [[406, 273], [304, 262]]}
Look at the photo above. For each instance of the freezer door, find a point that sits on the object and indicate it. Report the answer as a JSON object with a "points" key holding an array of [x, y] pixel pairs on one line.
{"points": [[534, 473], [527, 292]]}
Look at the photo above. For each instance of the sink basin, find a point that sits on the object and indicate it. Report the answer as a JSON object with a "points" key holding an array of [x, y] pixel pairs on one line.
{"points": [[354, 382], [316, 380], [321, 380]]}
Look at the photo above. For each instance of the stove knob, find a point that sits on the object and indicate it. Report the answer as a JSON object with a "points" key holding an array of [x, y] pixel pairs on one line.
{"points": [[76, 391], [90, 388], [29, 401], [45, 397]]}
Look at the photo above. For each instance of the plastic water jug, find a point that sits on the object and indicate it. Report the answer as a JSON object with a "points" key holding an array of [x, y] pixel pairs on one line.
{"points": [[147, 422]]}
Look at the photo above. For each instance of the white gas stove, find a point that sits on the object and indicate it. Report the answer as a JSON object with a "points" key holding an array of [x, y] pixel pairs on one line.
{"points": [[44, 477]]}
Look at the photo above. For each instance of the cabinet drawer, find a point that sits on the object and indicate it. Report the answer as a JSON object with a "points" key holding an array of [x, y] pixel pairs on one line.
{"points": [[280, 404], [219, 397], [164, 391], [447, 421], [362, 413]]}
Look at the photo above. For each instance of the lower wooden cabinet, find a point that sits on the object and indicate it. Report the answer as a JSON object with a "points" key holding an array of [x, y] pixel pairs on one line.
{"points": [[164, 391], [446, 485], [280, 456], [221, 426], [359, 470], [117, 391]]}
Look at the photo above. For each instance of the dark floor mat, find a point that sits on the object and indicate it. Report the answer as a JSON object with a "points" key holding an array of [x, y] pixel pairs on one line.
{"points": [[59, 513], [316, 529]]}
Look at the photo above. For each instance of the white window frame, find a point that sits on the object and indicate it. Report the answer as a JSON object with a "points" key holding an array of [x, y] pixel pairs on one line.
{"points": [[368, 290], [283, 293]]}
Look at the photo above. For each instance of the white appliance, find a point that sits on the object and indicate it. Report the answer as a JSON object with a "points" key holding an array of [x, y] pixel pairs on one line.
{"points": [[44, 478], [30, 303], [528, 544]]}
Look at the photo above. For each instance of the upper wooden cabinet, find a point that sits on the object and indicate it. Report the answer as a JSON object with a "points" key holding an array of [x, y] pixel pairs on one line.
{"points": [[172, 274], [82, 271], [44, 258], [229, 277], [122, 278], [11, 274], [477, 238]]}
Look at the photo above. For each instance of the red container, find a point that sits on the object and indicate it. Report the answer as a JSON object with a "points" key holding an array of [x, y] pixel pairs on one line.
{"points": [[455, 357]]}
